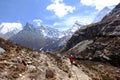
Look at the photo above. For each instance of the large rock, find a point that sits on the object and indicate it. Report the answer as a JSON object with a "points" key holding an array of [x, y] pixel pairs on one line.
{"points": [[2, 50]]}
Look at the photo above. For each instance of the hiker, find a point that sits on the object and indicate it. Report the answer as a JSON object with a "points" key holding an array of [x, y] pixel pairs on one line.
{"points": [[71, 59]]}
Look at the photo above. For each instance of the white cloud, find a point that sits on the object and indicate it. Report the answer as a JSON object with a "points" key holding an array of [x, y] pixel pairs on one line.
{"points": [[60, 8], [37, 21], [56, 24], [100, 4], [7, 27]]}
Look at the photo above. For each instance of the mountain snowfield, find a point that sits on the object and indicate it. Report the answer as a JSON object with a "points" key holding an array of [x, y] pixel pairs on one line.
{"points": [[6, 27], [102, 14], [73, 29]]}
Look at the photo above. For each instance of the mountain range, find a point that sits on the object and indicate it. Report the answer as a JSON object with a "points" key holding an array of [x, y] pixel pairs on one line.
{"points": [[42, 37]]}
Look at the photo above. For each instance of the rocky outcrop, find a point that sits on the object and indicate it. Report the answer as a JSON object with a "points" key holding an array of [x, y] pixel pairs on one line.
{"points": [[103, 50], [111, 29]]}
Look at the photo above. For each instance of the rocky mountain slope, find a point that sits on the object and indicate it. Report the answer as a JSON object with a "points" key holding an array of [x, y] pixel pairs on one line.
{"points": [[99, 41], [20, 63], [29, 37], [36, 38]]}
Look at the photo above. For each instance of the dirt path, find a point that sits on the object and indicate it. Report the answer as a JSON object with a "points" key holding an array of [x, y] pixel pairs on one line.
{"points": [[77, 73], [59, 73]]}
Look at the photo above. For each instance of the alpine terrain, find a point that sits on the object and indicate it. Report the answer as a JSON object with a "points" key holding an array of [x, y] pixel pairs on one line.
{"points": [[95, 48], [43, 37]]}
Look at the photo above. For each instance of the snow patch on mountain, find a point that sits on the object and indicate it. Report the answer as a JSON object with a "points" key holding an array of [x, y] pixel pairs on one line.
{"points": [[102, 14], [74, 28], [43, 32], [49, 32], [6, 27]]}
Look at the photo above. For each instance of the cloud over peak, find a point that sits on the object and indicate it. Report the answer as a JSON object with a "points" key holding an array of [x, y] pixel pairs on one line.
{"points": [[37, 21], [99, 4], [59, 8]]}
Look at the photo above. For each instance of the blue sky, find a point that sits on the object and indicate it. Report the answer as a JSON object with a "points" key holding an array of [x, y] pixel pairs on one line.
{"points": [[59, 14]]}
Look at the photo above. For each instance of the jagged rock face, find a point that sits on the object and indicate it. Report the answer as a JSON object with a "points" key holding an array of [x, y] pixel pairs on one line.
{"points": [[106, 40], [103, 49], [111, 29]]}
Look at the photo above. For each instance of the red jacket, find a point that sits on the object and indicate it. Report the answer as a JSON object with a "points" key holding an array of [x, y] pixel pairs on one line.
{"points": [[71, 58]]}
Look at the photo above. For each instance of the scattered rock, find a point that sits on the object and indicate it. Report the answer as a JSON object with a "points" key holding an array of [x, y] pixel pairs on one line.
{"points": [[49, 73]]}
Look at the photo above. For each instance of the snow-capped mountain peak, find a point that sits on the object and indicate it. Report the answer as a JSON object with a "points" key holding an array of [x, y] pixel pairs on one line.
{"points": [[29, 26], [49, 32], [102, 14], [44, 30], [6, 27], [37, 37], [74, 28]]}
